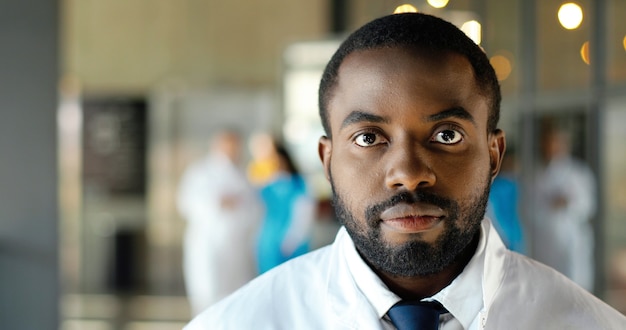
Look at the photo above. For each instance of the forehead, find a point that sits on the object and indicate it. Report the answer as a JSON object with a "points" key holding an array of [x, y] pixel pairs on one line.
{"points": [[402, 78]]}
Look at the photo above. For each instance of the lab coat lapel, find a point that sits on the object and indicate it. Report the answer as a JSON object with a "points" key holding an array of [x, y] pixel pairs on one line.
{"points": [[347, 306]]}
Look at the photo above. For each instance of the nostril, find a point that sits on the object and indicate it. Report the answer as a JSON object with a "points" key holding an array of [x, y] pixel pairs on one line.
{"points": [[424, 184], [410, 177]]}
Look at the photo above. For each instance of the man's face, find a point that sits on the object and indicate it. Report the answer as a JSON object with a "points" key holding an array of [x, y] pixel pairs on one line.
{"points": [[410, 160]]}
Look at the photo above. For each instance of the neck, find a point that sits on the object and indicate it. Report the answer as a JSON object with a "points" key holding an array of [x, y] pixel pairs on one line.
{"points": [[419, 287]]}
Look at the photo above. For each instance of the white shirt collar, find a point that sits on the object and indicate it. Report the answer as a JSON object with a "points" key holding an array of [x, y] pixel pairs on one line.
{"points": [[463, 298]]}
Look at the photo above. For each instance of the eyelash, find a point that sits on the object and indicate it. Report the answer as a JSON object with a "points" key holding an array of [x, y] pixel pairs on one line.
{"points": [[448, 127], [364, 133], [379, 135]]}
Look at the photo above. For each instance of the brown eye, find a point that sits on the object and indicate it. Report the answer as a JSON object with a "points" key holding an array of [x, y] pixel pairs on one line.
{"points": [[448, 136], [367, 139]]}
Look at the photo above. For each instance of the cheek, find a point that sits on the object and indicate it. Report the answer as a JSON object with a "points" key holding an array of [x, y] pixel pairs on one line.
{"points": [[356, 173], [464, 174], [356, 181]]}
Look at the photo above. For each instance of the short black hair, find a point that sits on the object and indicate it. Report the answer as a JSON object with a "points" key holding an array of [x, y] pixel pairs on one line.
{"points": [[421, 32]]}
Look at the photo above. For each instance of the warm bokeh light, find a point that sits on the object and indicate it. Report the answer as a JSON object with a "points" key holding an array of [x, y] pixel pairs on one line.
{"points": [[624, 42], [438, 3], [405, 9], [570, 15], [502, 65], [584, 52], [473, 30]]}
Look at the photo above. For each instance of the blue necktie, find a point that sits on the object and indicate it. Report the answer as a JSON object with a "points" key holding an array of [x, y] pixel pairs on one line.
{"points": [[416, 315]]}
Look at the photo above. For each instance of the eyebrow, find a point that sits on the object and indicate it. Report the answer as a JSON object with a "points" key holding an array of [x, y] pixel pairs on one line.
{"points": [[455, 112], [364, 117], [360, 117]]}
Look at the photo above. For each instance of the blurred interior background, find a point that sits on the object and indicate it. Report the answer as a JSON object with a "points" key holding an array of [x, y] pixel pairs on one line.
{"points": [[105, 102]]}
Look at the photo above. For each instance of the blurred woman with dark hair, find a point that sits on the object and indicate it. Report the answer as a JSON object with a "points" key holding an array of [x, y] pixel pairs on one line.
{"points": [[289, 214]]}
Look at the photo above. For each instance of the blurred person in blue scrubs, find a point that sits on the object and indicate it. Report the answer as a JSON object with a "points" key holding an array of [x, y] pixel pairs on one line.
{"points": [[289, 213], [503, 207]]}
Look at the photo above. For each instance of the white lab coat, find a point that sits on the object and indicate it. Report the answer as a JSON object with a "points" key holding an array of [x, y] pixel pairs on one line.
{"points": [[317, 291], [218, 244], [563, 237]]}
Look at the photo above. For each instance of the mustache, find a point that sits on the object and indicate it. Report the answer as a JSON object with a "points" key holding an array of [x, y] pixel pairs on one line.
{"points": [[372, 213]]}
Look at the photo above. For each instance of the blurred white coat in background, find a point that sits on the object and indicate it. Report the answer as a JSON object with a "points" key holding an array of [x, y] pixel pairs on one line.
{"points": [[223, 213], [565, 203]]}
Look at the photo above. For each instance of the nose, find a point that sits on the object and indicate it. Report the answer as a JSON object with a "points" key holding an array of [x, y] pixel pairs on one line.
{"points": [[408, 168]]}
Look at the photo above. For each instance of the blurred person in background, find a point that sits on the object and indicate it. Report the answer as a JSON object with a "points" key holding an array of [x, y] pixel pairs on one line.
{"points": [[222, 212], [264, 163], [564, 193], [289, 213], [503, 206]]}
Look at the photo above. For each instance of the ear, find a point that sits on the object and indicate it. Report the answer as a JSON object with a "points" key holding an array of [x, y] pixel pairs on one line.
{"points": [[497, 147], [324, 149]]}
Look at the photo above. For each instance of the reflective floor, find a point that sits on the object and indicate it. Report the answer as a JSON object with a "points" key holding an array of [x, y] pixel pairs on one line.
{"points": [[109, 312]]}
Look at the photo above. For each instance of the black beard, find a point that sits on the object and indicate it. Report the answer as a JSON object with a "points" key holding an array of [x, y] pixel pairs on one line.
{"points": [[414, 258]]}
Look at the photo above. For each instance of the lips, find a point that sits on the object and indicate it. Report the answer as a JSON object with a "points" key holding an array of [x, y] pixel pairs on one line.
{"points": [[412, 218]]}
